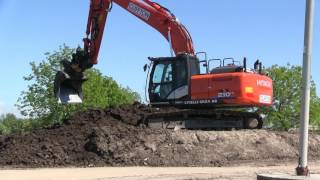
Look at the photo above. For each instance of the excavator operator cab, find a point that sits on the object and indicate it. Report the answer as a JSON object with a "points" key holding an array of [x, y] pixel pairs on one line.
{"points": [[170, 77]]}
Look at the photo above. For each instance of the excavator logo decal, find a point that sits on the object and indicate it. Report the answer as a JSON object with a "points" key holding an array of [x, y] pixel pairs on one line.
{"points": [[264, 83], [144, 14]]}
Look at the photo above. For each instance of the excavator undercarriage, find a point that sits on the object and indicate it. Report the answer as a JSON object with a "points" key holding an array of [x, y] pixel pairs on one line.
{"points": [[205, 119]]}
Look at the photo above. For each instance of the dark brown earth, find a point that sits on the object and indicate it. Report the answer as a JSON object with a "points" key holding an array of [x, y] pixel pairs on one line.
{"points": [[113, 137]]}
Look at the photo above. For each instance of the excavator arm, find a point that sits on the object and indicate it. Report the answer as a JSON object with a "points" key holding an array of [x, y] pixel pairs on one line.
{"points": [[67, 85], [158, 17]]}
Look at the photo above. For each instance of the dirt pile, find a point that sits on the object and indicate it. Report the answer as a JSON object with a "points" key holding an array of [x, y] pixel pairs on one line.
{"points": [[112, 137]]}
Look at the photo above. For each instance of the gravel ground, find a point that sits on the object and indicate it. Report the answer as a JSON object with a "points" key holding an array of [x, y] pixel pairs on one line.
{"points": [[247, 172]]}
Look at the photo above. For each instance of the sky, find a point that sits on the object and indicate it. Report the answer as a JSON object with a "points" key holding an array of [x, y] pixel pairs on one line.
{"points": [[269, 30]]}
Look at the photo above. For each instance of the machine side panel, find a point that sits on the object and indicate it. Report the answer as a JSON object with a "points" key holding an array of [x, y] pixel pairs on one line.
{"points": [[236, 89]]}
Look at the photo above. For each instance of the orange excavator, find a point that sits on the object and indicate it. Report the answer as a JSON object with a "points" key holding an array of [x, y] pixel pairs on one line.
{"points": [[211, 99]]}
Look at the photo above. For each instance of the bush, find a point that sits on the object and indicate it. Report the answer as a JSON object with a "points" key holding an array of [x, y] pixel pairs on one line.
{"points": [[9, 123], [287, 87], [39, 104]]}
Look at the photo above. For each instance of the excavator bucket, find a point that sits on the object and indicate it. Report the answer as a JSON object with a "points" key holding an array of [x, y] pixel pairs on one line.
{"points": [[68, 82], [68, 88]]}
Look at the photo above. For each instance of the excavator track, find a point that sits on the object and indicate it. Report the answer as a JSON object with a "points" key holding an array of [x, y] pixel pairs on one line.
{"points": [[204, 119]]}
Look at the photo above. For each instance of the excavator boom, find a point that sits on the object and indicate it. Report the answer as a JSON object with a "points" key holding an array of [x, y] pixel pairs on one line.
{"points": [[151, 13], [68, 83]]}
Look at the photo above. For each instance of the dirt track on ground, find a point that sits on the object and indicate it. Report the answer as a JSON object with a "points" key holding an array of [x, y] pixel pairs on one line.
{"points": [[112, 137]]}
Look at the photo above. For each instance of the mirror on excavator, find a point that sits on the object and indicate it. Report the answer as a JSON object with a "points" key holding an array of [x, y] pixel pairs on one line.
{"points": [[68, 82]]}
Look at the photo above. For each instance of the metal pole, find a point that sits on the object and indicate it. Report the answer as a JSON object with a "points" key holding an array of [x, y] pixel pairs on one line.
{"points": [[302, 168]]}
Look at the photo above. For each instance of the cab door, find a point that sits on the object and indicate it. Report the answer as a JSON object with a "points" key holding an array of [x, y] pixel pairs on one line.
{"points": [[161, 81]]}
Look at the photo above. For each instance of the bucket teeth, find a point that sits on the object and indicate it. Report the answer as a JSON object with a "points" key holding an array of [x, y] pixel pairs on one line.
{"points": [[68, 83], [68, 88]]}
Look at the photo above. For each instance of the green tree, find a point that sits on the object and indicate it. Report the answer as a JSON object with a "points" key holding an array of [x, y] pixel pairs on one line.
{"points": [[287, 84], [102, 91], [37, 102], [9, 123], [315, 113]]}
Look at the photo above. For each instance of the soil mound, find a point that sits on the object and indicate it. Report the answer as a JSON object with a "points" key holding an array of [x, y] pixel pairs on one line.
{"points": [[115, 137]]}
